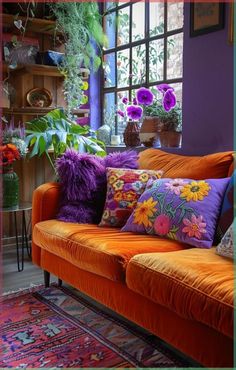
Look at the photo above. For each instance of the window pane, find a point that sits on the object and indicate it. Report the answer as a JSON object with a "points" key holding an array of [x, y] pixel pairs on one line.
{"points": [[174, 16], [178, 91], [121, 121], [109, 110], [138, 64], [138, 21], [156, 19], [109, 26], [123, 26], [175, 56], [110, 4], [109, 70], [156, 60], [123, 68]]}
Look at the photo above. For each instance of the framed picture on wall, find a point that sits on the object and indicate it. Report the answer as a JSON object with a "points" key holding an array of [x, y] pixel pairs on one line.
{"points": [[205, 18]]}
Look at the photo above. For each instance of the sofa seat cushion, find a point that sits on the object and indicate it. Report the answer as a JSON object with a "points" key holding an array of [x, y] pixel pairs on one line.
{"points": [[101, 250], [196, 284]]}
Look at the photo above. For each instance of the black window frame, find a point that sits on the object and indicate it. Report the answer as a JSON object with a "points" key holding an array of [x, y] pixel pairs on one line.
{"points": [[163, 36]]}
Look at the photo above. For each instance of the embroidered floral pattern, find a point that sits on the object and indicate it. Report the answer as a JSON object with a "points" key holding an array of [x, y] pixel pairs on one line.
{"points": [[144, 211], [123, 191], [196, 190], [179, 209], [194, 227]]}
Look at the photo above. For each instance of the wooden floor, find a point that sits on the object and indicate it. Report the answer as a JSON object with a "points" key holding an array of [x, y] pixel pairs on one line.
{"points": [[14, 280]]}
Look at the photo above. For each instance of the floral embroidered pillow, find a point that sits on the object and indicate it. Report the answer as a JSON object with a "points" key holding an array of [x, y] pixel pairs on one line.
{"points": [[124, 187], [181, 209], [226, 246]]}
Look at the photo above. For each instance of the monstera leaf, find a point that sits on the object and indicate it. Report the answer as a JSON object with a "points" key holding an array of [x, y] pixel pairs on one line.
{"points": [[55, 132]]}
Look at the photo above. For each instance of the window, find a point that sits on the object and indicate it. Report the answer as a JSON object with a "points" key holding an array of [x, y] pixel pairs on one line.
{"points": [[145, 49]]}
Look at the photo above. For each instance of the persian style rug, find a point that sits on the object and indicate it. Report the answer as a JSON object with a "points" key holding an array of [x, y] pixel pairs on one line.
{"points": [[52, 327]]}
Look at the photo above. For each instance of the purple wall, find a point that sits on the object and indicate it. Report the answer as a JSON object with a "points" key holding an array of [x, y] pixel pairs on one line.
{"points": [[207, 91]]}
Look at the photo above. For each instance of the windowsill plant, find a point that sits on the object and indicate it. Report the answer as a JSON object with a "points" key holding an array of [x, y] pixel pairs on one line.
{"points": [[158, 116]]}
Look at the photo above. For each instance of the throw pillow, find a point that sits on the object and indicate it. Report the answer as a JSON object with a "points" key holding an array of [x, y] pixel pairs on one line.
{"points": [[124, 188], [83, 183], [226, 246], [181, 209], [227, 211]]}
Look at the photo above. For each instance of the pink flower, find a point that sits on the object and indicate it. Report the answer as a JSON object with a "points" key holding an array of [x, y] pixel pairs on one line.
{"points": [[175, 186], [124, 100], [195, 227], [162, 225]]}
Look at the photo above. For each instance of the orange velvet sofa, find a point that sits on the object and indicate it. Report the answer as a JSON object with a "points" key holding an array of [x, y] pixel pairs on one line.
{"points": [[181, 294]]}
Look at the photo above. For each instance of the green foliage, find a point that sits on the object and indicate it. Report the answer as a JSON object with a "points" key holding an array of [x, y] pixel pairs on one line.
{"points": [[80, 25], [56, 131], [172, 120]]}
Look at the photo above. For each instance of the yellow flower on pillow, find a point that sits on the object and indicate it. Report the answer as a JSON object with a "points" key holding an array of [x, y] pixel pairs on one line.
{"points": [[196, 190], [144, 177], [129, 195], [118, 185], [112, 179], [118, 196], [143, 211]]}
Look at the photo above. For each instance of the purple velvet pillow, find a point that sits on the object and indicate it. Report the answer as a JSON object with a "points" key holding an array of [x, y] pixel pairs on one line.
{"points": [[180, 209], [83, 183]]}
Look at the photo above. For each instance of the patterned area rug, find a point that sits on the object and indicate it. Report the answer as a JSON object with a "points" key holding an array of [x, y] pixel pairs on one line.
{"points": [[51, 327]]}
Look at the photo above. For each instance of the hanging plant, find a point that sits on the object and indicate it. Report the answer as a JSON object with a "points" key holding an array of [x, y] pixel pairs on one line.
{"points": [[80, 25]]}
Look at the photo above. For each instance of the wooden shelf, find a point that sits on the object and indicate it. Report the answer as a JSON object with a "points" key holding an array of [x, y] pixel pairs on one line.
{"points": [[41, 70], [30, 111], [37, 25]]}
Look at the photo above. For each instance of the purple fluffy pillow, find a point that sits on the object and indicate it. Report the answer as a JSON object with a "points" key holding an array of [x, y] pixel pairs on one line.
{"points": [[83, 183]]}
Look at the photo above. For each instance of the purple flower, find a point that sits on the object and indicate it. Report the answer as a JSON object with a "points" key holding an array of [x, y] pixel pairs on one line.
{"points": [[164, 88], [124, 100], [144, 96], [122, 114], [169, 100], [134, 112], [135, 101]]}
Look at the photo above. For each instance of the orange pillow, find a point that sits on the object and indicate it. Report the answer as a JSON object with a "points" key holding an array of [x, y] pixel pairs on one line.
{"points": [[212, 166]]}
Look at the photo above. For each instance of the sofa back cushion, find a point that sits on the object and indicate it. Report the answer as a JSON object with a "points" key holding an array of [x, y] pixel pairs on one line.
{"points": [[178, 166]]}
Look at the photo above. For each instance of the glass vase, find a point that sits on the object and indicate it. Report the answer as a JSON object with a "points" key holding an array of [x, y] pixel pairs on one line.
{"points": [[10, 187]]}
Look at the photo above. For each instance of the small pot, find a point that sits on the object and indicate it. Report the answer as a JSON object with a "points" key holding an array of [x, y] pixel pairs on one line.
{"points": [[170, 139], [149, 130]]}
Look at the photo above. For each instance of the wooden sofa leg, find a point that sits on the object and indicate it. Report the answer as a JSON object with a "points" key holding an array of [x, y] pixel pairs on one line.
{"points": [[59, 282], [46, 278]]}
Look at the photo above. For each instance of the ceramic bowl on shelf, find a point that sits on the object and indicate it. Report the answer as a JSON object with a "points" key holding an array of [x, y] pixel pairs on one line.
{"points": [[39, 97]]}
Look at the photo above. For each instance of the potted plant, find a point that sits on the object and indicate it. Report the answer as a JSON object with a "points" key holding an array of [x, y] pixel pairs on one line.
{"points": [[55, 132], [167, 124], [80, 24]]}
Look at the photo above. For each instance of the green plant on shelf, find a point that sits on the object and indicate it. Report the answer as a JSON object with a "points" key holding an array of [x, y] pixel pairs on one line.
{"points": [[57, 131]]}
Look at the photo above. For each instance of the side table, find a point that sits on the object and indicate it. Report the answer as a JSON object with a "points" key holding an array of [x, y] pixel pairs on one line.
{"points": [[22, 208]]}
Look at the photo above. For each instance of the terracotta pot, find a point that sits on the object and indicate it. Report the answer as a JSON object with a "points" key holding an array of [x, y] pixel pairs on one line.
{"points": [[170, 139], [149, 130], [131, 134]]}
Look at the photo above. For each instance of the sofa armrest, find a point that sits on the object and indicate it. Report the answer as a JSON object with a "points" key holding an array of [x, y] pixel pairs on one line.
{"points": [[45, 204]]}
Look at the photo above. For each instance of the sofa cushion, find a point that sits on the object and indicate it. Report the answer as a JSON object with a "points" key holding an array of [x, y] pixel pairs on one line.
{"points": [[124, 187], [200, 167], [103, 251], [196, 284], [226, 246], [180, 209], [227, 210]]}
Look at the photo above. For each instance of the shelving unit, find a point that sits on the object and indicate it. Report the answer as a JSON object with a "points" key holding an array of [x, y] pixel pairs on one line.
{"points": [[40, 70], [29, 111], [37, 25]]}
